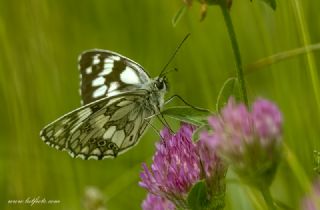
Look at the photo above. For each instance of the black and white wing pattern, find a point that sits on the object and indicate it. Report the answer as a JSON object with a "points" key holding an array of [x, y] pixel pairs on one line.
{"points": [[118, 99], [104, 73], [101, 129]]}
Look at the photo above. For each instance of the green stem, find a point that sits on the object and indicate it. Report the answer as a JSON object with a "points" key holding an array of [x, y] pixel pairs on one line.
{"points": [[267, 198], [235, 48]]}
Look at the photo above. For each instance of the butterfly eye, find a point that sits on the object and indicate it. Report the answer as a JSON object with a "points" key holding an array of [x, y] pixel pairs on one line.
{"points": [[160, 85]]}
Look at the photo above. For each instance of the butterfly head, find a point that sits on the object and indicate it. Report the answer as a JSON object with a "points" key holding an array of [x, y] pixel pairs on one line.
{"points": [[161, 84]]}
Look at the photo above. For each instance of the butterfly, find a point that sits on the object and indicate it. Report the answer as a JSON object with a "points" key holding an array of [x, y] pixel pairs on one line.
{"points": [[118, 101]]}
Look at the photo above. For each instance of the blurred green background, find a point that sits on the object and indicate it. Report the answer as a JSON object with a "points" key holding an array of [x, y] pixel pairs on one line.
{"points": [[40, 42]]}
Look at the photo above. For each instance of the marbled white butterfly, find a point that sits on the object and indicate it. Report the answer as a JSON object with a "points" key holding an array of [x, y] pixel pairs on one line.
{"points": [[118, 99]]}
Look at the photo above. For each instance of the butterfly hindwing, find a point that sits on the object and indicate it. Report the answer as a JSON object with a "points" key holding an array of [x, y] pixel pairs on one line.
{"points": [[105, 73], [119, 99], [101, 129]]}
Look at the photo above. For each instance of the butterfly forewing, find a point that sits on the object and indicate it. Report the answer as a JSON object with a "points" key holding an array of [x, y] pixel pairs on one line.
{"points": [[119, 98], [105, 73], [104, 128]]}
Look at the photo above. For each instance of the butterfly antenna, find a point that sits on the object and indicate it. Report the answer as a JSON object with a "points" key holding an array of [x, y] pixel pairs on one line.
{"points": [[169, 71], [173, 55]]}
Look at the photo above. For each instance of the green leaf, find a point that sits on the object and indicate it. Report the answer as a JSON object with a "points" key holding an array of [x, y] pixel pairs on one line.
{"points": [[176, 18], [229, 88], [271, 3], [188, 114], [197, 197], [281, 56]]}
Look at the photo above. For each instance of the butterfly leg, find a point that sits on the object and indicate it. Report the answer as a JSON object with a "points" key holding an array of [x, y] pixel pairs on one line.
{"points": [[153, 127], [184, 101], [161, 119], [164, 121]]}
